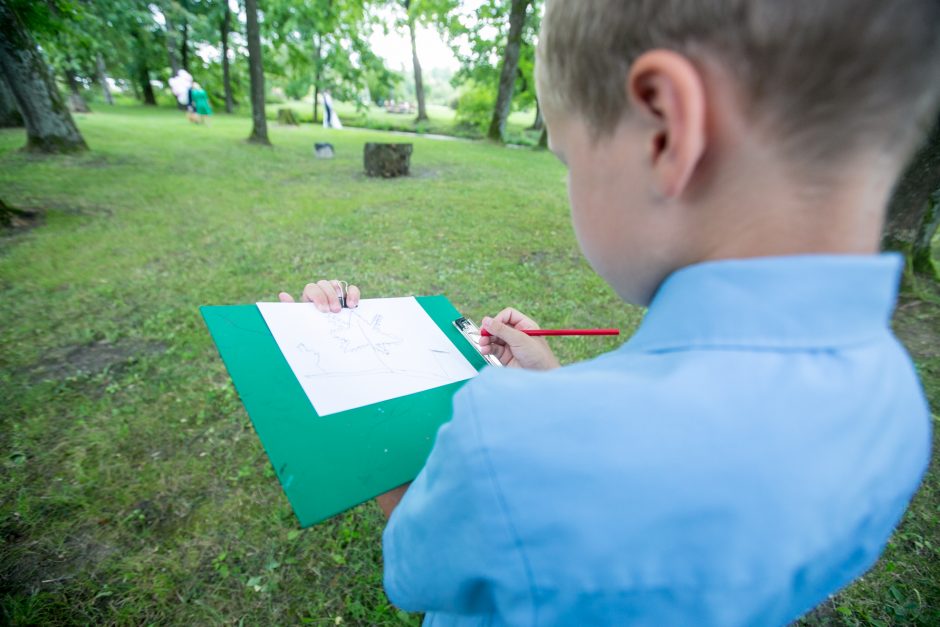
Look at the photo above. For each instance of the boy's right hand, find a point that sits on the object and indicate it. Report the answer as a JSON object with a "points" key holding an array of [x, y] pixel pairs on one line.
{"points": [[514, 348]]}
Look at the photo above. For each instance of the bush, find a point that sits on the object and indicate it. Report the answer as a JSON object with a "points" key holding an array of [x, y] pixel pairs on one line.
{"points": [[475, 106]]}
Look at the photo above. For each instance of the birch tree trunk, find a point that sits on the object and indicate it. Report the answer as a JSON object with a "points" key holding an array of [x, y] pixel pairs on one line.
{"points": [[259, 127], [49, 125], [914, 211], [507, 76]]}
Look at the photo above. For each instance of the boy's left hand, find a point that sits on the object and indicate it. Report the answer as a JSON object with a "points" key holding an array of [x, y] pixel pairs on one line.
{"points": [[325, 295]]}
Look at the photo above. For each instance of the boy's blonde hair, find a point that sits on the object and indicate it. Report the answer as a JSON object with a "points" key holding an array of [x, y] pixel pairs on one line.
{"points": [[826, 76]]}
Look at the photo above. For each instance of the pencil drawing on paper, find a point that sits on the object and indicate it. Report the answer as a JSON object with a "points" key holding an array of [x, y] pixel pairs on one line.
{"points": [[360, 345], [383, 349], [354, 332]]}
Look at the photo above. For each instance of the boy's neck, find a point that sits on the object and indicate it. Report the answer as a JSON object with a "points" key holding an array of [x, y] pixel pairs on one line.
{"points": [[765, 209]]}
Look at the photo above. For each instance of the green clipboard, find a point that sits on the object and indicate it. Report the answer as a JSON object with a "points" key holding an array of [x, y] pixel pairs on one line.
{"points": [[328, 465]]}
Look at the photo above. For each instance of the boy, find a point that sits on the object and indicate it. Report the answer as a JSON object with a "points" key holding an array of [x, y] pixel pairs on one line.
{"points": [[749, 451]]}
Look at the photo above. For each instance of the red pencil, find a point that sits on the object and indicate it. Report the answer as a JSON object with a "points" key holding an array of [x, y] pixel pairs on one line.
{"points": [[540, 332]]}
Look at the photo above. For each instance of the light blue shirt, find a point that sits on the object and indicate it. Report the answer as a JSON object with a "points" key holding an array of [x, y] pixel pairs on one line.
{"points": [[747, 453]]}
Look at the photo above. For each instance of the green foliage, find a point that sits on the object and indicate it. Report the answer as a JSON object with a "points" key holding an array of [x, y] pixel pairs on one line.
{"points": [[383, 84], [323, 44], [475, 105], [479, 39], [45, 18]]}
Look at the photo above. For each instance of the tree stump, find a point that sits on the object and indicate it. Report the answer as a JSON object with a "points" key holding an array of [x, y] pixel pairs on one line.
{"points": [[287, 117], [387, 160]]}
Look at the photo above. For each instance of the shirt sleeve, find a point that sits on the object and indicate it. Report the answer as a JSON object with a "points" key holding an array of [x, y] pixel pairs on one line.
{"points": [[448, 546]]}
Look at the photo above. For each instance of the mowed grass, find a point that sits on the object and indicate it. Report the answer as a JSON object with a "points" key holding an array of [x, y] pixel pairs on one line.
{"points": [[134, 490]]}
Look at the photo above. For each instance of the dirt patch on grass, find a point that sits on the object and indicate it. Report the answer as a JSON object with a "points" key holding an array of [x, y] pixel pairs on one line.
{"points": [[19, 221], [29, 566], [161, 513], [73, 361], [90, 159]]}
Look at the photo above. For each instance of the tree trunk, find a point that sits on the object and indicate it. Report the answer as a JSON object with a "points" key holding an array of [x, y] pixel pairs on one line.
{"points": [[539, 123], [103, 79], [507, 76], [184, 47], [317, 68], [316, 102], [143, 77], [49, 125], [142, 69], [226, 74], [171, 45], [9, 113], [259, 127], [419, 80], [76, 100], [543, 138], [132, 71], [914, 211]]}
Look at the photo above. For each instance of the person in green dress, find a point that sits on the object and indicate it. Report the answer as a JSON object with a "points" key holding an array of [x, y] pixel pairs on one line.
{"points": [[200, 101]]}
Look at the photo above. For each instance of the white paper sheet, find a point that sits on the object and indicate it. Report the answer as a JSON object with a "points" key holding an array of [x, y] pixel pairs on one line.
{"points": [[383, 349]]}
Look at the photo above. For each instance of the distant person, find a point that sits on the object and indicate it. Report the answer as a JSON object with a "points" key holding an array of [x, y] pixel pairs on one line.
{"points": [[750, 450], [181, 86], [190, 107], [200, 104], [330, 118]]}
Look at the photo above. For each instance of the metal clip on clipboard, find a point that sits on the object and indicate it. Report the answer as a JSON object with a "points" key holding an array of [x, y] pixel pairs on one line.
{"points": [[342, 288], [472, 333]]}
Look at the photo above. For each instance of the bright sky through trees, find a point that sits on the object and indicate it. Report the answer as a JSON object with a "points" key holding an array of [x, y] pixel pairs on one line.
{"points": [[395, 48], [392, 46]]}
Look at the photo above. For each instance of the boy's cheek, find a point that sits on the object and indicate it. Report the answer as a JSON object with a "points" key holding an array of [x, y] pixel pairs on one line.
{"points": [[615, 236], [594, 225]]}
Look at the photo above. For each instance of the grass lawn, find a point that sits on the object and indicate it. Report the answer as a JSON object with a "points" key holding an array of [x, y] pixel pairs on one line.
{"points": [[134, 490]]}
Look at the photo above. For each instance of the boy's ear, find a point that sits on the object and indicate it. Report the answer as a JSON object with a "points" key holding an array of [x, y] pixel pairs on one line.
{"points": [[667, 90]]}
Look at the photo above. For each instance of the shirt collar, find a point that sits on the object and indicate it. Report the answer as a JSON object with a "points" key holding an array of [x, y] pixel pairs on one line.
{"points": [[799, 302]]}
